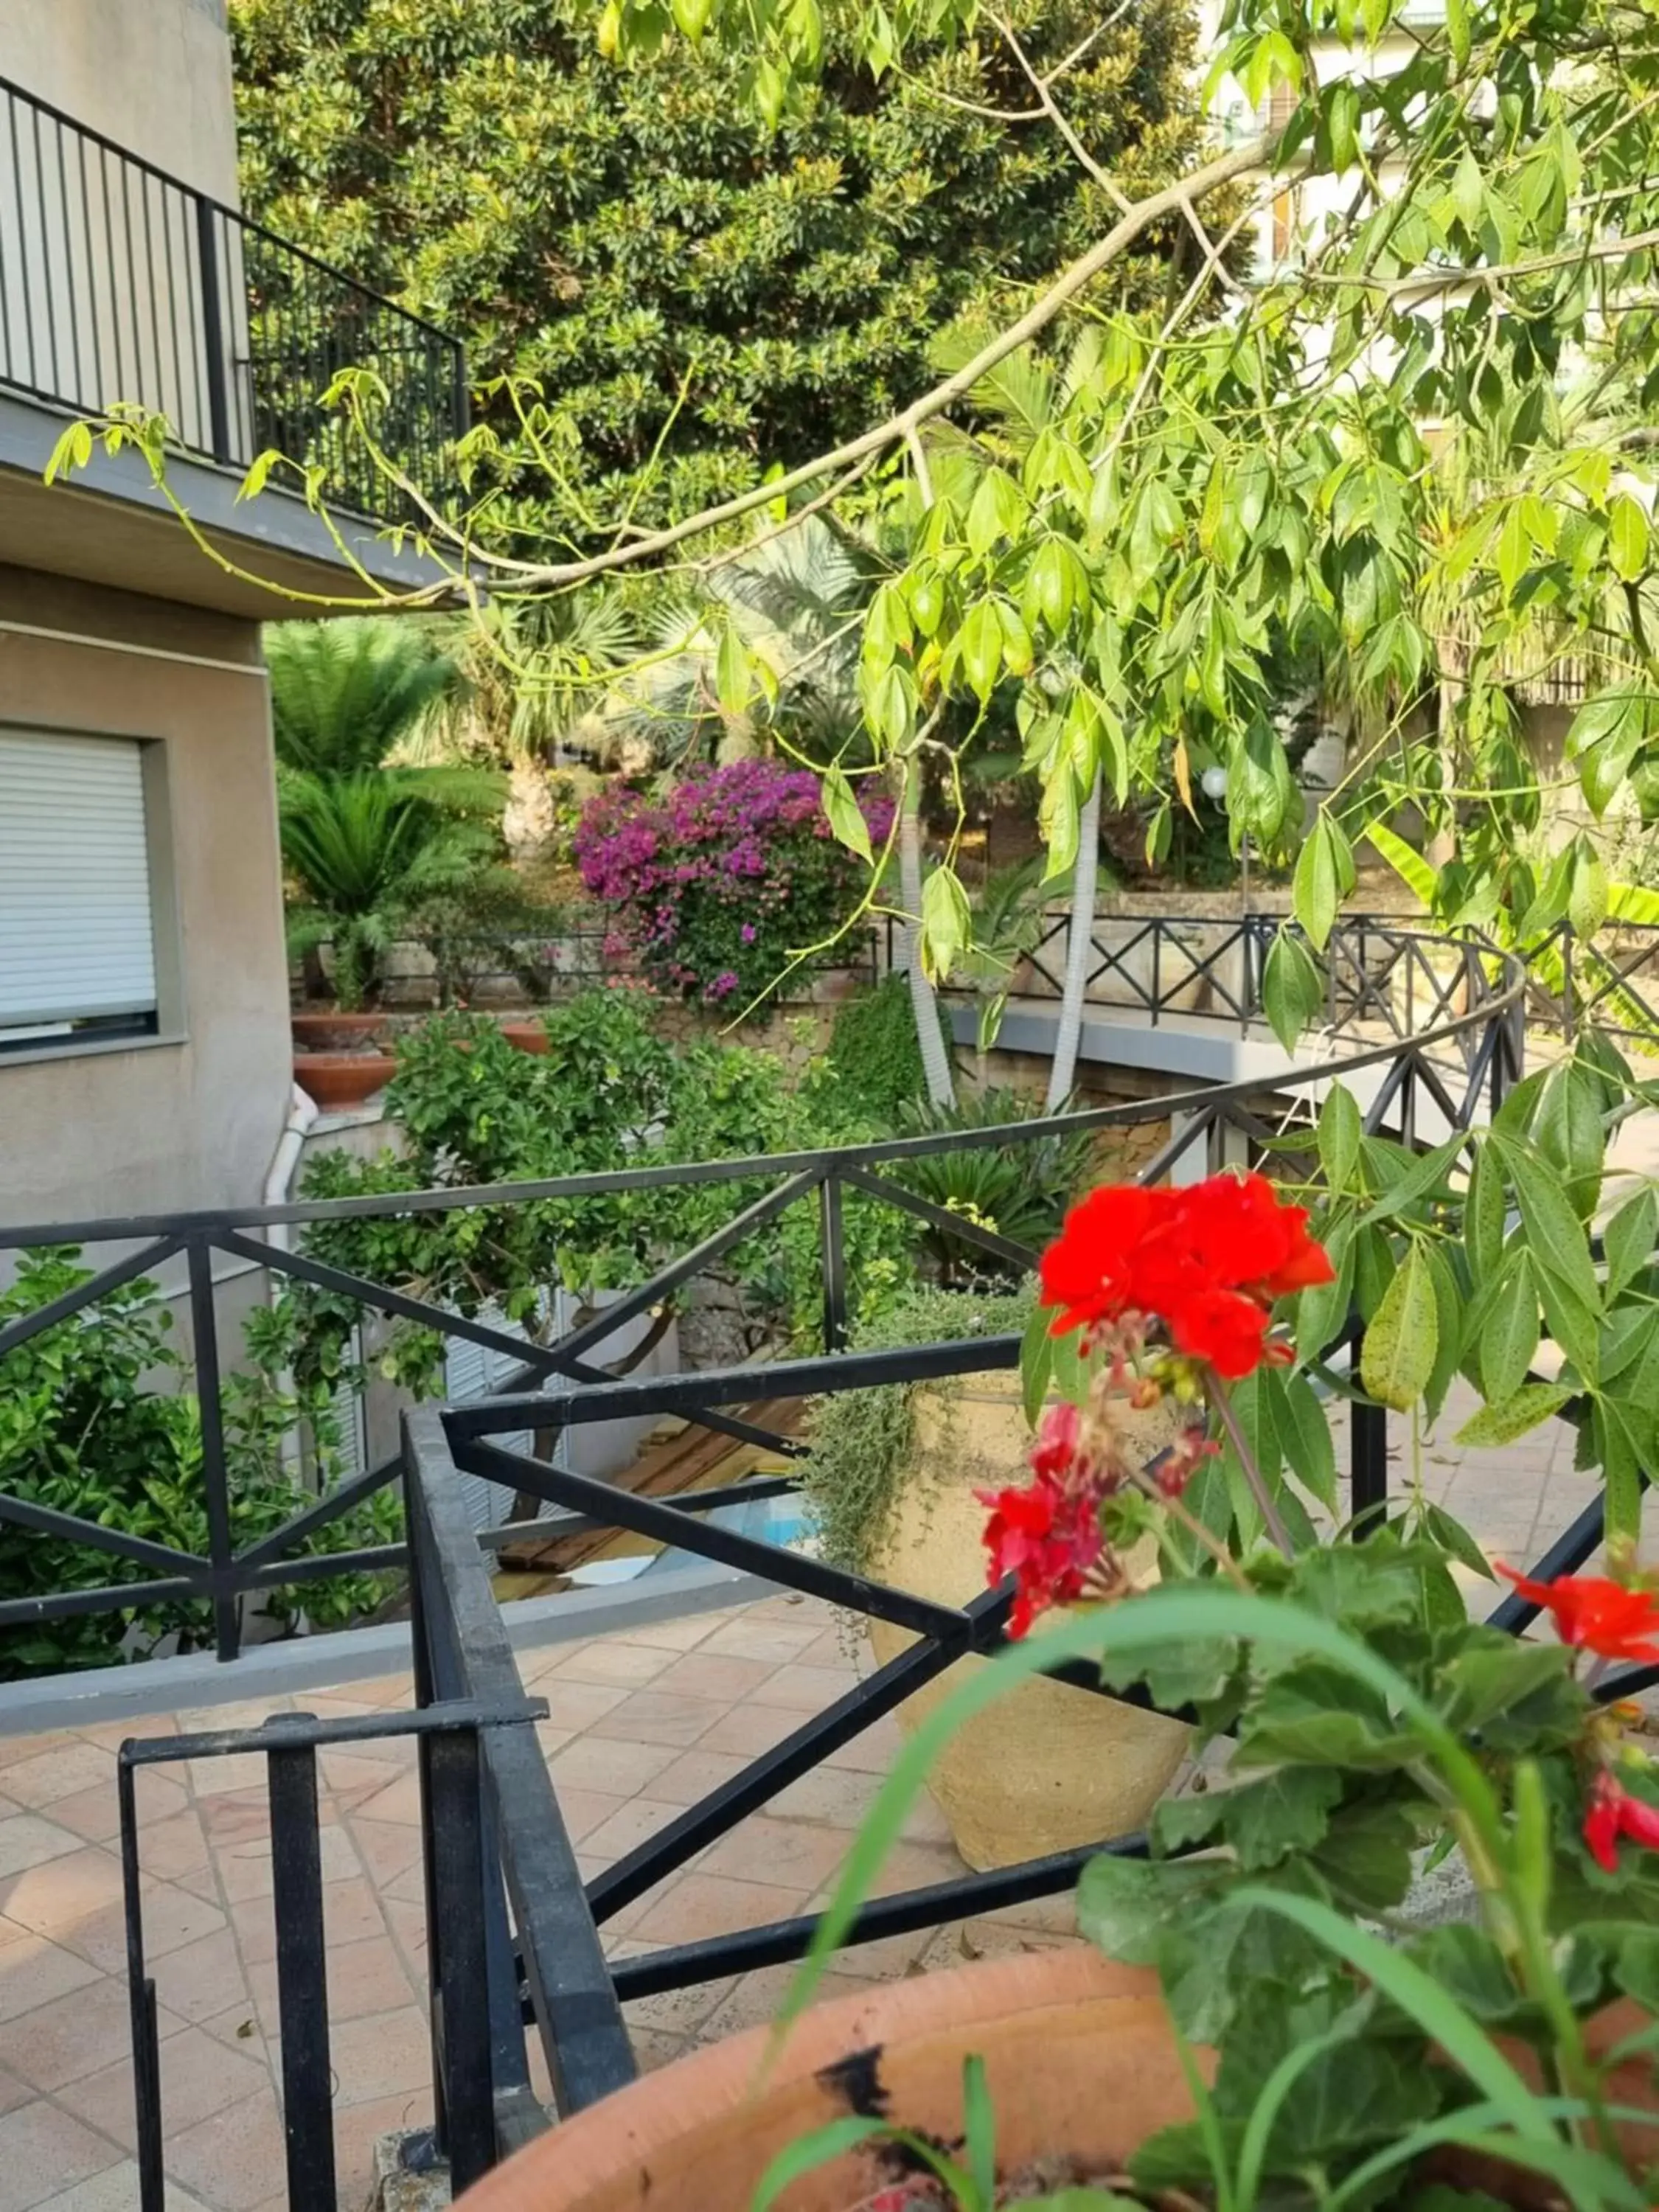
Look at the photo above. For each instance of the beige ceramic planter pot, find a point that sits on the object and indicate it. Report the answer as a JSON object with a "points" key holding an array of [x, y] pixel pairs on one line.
{"points": [[1079, 2057], [1049, 1768]]}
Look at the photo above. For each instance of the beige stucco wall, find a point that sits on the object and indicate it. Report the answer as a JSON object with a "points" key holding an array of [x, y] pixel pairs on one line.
{"points": [[153, 74], [192, 1122]]}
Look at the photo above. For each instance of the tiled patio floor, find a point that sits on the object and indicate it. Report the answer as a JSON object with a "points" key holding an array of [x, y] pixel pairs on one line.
{"points": [[642, 1723]]}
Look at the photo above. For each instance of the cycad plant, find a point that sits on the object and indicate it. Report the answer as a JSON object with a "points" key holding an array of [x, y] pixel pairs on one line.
{"points": [[366, 843]]}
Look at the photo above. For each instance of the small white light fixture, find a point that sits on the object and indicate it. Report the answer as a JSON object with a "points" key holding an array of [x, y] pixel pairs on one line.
{"points": [[1213, 782]]}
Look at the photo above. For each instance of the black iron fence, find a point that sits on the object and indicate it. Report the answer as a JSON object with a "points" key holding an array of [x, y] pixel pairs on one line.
{"points": [[1437, 1081], [117, 283]]}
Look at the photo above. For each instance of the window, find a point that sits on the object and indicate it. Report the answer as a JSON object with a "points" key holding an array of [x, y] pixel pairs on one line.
{"points": [[78, 906]]}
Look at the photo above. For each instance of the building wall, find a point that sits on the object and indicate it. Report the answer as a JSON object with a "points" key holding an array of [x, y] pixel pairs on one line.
{"points": [[153, 74], [193, 1121]]}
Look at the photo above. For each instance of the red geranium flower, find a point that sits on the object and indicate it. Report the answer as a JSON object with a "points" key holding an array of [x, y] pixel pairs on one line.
{"points": [[1222, 1327], [1047, 1536], [1615, 1812], [1208, 1261], [1594, 1614]]}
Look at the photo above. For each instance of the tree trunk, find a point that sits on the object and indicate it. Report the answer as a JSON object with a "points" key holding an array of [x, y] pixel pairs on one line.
{"points": [[1079, 945], [935, 1061]]}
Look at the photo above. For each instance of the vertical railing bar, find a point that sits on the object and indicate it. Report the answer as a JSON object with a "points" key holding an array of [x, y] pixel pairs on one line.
{"points": [[132, 279], [140, 1998], [833, 1258], [69, 261], [23, 248], [148, 184], [108, 199], [1368, 1466], [171, 264], [296, 1866], [5, 289], [204, 1330], [463, 1968], [45, 254], [426, 1694], [92, 278], [207, 237]]}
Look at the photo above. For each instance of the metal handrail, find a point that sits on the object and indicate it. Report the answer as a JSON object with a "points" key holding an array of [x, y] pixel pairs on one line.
{"points": [[119, 282]]}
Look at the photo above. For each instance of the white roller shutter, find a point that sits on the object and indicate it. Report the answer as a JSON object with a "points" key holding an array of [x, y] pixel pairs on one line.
{"points": [[474, 1371], [76, 936]]}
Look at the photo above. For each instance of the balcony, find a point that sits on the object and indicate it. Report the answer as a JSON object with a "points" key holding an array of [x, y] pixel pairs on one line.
{"points": [[119, 283]]}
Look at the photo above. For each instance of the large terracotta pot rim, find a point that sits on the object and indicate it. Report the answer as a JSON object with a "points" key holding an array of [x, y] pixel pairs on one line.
{"points": [[643, 2141]]}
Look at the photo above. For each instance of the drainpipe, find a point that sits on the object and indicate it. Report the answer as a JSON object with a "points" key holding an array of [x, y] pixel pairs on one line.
{"points": [[302, 1113]]}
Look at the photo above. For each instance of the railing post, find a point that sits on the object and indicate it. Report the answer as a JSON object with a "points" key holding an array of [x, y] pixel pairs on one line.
{"points": [[1368, 1466], [833, 1254], [140, 1998], [427, 1693], [464, 1978], [204, 1331], [213, 329], [1158, 947], [296, 1869]]}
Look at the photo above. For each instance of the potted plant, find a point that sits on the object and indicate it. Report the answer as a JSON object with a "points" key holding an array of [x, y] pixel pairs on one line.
{"points": [[1276, 2027], [895, 1476]]}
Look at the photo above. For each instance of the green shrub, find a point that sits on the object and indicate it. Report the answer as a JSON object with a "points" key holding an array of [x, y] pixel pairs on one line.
{"points": [[872, 1068], [95, 1421]]}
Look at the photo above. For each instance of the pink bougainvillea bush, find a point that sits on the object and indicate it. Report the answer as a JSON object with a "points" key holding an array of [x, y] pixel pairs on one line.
{"points": [[713, 883]]}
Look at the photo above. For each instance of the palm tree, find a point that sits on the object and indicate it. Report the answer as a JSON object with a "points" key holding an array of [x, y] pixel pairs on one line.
{"points": [[365, 838], [343, 694]]}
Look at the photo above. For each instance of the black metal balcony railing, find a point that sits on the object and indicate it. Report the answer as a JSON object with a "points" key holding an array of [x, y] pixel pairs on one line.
{"points": [[513, 1943], [117, 283]]}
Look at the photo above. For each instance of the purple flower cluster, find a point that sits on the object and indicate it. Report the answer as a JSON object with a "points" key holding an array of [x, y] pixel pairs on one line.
{"points": [[699, 877]]}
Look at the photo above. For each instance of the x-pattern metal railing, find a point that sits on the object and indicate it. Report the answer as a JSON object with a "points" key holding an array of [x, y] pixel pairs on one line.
{"points": [[1418, 1077]]}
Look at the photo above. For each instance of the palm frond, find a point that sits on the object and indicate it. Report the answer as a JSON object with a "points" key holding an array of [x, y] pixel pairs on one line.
{"points": [[344, 694]]}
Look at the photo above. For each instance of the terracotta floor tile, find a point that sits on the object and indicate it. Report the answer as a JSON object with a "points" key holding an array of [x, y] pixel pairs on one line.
{"points": [[363, 1977], [574, 1706], [681, 1635], [27, 1840], [653, 2049], [13, 1749], [677, 2012], [609, 1661], [381, 2055], [408, 1926], [800, 1854], [73, 2035], [62, 1772], [63, 1890], [219, 1778], [634, 1822], [349, 1777], [171, 1918], [203, 1978], [228, 2159], [35, 1971], [351, 1911], [13, 2091], [750, 1729], [386, 1690], [358, 2127], [172, 1850], [200, 2076], [715, 1674], [804, 1689], [140, 1728], [757, 1999], [778, 1643], [703, 1904], [116, 2189], [697, 1774], [606, 1764], [840, 1795], [658, 1717], [872, 1752], [43, 2152], [386, 1847], [584, 1810], [398, 1802]]}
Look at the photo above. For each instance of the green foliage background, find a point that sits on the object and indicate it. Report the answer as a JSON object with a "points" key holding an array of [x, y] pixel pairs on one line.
{"points": [[621, 232]]}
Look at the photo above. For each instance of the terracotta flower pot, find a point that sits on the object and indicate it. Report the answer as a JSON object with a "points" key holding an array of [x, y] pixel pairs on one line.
{"points": [[1048, 1767], [337, 1032], [338, 1080], [526, 1036], [1079, 2055]]}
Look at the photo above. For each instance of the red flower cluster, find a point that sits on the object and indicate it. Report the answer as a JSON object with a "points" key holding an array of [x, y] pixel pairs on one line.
{"points": [[1594, 1614], [1615, 1812], [1047, 1537], [1209, 1260]]}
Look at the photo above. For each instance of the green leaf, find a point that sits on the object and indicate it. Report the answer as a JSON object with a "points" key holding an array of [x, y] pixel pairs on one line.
{"points": [[1292, 989], [1317, 887], [1502, 1424], [1264, 1820], [979, 2134], [1322, 1311], [1483, 1219], [1413, 871], [1453, 1538], [1340, 1132], [979, 647], [1366, 1858], [842, 809], [1627, 535], [1555, 1236], [72, 451], [1587, 898], [1568, 1131], [733, 682], [1468, 193], [1126, 1906], [1037, 1363], [1509, 1339], [809, 2151], [1312, 1715], [1628, 1239], [1304, 1434], [946, 921], [1398, 1355]]}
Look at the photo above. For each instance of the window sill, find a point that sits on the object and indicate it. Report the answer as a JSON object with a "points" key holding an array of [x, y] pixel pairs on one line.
{"points": [[90, 1048]]}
